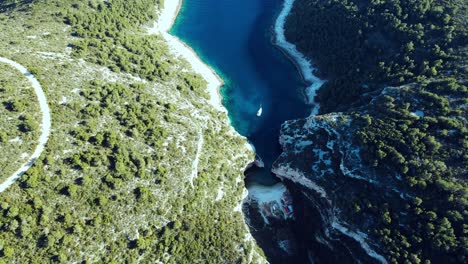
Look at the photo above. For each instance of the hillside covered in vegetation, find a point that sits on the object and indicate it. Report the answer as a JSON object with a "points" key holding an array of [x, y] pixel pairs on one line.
{"points": [[387, 158], [363, 45], [19, 115], [138, 166]]}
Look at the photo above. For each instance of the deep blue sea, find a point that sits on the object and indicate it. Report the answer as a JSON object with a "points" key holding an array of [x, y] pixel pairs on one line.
{"points": [[235, 37]]}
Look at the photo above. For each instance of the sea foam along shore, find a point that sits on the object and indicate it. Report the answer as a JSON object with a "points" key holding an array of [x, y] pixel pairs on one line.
{"points": [[45, 124], [302, 63], [164, 24]]}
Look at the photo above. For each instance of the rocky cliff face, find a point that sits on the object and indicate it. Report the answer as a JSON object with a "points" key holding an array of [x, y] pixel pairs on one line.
{"points": [[326, 170], [347, 205], [385, 179]]}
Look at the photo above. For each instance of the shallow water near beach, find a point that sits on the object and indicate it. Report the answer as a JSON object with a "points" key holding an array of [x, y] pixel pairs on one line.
{"points": [[235, 37]]}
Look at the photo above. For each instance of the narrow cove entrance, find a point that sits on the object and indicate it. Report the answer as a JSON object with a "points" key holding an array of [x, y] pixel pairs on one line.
{"points": [[262, 90]]}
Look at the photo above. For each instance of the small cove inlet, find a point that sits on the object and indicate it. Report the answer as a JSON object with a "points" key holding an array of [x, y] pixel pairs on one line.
{"points": [[262, 87], [235, 37]]}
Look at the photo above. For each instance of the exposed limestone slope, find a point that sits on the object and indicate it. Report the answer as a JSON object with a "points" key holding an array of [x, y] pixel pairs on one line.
{"points": [[329, 159], [318, 157]]}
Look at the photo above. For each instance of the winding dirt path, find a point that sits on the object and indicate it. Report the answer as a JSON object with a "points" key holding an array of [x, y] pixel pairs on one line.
{"points": [[45, 124]]}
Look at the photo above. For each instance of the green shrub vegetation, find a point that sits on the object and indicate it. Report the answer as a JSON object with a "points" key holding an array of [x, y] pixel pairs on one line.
{"points": [[399, 68], [363, 45], [19, 120], [114, 183], [418, 133]]}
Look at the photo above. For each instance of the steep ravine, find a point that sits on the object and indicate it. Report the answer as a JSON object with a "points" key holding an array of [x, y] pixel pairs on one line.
{"points": [[317, 159], [333, 204], [316, 164], [256, 74], [272, 211], [317, 230]]}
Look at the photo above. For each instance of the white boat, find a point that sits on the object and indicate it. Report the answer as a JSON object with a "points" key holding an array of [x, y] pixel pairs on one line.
{"points": [[260, 111]]}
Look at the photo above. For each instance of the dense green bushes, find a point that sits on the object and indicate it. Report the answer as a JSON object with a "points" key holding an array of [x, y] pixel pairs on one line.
{"points": [[107, 37], [430, 163], [112, 185], [362, 45], [19, 120], [413, 136], [105, 29]]}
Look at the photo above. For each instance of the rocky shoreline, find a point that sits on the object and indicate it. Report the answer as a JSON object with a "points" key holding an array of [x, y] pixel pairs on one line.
{"points": [[303, 64], [166, 21]]}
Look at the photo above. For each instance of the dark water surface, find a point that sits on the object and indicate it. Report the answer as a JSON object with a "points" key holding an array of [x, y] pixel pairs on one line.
{"points": [[235, 38]]}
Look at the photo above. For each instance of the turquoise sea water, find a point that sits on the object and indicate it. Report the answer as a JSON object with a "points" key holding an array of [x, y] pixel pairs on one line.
{"points": [[235, 37]]}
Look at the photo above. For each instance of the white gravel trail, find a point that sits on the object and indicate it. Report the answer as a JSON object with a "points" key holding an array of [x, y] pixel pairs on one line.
{"points": [[45, 124]]}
